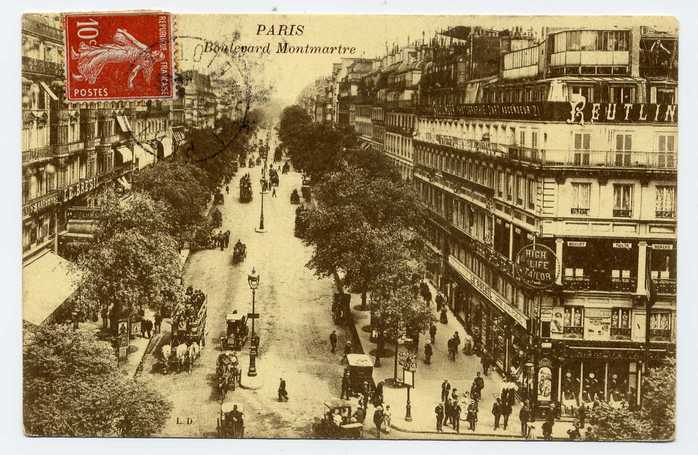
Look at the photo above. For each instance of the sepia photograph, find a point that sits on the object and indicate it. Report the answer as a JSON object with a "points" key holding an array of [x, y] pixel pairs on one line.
{"points": [[306, 226]]}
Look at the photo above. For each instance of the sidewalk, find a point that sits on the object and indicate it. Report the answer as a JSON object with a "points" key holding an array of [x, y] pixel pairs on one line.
{"points": [[428, 378]]}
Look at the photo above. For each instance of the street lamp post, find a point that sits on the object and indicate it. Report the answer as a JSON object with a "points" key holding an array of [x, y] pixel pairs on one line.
{"points": [[253, 282], [408, 380], [261, 229]]}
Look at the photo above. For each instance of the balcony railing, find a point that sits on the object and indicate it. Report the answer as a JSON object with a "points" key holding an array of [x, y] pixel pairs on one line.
{"points": [[36, 66], [660, 334], [622, 213], [665, 286], [628, 284], [68, 149], [599, 159], [600, 283], [45, 30], [665, 214], [38, 153], [579, 211], [577, 283], [40, 202]]}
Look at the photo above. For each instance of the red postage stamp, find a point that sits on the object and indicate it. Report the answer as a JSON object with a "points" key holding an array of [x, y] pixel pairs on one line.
{"points": [[116, 56]]}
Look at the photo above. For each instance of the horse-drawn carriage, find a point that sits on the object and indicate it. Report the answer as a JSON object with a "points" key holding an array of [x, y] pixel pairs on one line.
{"points": [[228, 373], [301, 222], [231, 423], [295, 198], [245, 188], [239, 252], [188, 333], [360, 371], [340, 308], [305, 188], [236, 331], [338, 422]]}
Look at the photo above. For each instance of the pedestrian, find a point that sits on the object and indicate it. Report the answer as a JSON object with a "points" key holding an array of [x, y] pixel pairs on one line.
{"points": [[589, 435], [456, 344], [283, 393], [448, 412], [227, 189], [506, 413], [387, 417], [347, 348], [158, 321], [524, 417], [428, 351], [227, 239], [365, 395], [273, 192], [333, 341], [346, 386], [547, 426], [439, 301], [378, 394], [531, 432], [148, 328], [378, 420], [221, 240], [444, 316], [445, 390], [485, 363], [456, 416], [582, 414], [439, 411], [451, 355], [478, 385], [471, 415], [432, 332], [497, 412]]}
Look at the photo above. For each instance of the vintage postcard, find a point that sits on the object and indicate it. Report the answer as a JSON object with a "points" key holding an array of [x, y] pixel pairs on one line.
{"points": [[349, 226]]}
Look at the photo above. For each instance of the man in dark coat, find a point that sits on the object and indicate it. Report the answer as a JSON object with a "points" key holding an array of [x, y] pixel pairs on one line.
{"points": [[506, 412], [432, 332], [524, 417], [471, 416], [439, 301], [445, 390], [439, 411], [158, 321], [428, 352], [478, 385], [378, 420], [497, 412], [347, 347], [346, 386], [456, 416], [283, 394], [333, 341]]}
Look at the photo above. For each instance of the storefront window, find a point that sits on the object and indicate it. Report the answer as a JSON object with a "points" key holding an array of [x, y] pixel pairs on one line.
{"points": [[660, 325], [618, 383], [593, 382], [499, 340], [569, 392], [573, 322], [620, 323]]}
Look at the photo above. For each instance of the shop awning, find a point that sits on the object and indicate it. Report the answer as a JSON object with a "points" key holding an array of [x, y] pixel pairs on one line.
{"points": [[126, 154], [144, 154], [48, 90], [46, 284], [123, 123]]}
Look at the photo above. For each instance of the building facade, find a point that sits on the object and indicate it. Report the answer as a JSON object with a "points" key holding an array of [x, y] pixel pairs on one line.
{"points": [[562, 149]]}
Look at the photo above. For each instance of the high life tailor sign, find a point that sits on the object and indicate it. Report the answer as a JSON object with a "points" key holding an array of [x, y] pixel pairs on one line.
{"points": [[537, 266]]}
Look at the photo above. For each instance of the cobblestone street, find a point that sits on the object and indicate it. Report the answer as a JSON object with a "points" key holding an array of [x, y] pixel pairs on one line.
{"points": [[294, 324]]}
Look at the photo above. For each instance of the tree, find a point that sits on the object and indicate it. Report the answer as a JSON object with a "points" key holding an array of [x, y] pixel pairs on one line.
{"points": [[137, 212], [127, 272], [180, 186], [397, 306], [655, 420], [361, 225], [73, 388]]}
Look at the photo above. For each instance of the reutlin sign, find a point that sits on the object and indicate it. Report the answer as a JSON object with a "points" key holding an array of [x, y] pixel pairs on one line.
{"points": [[537, 266]]}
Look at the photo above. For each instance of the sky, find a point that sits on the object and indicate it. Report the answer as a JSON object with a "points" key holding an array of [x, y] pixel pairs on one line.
{"points": [[290, 73]]}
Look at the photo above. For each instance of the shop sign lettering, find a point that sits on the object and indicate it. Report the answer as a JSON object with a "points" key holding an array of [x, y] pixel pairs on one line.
{"points": [[623, 245], [537, 266], [662, 246]]}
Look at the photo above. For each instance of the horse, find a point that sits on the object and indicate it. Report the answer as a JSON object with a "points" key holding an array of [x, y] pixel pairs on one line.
{"points": [[166, 353], [181, 353], [194, 351]]}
